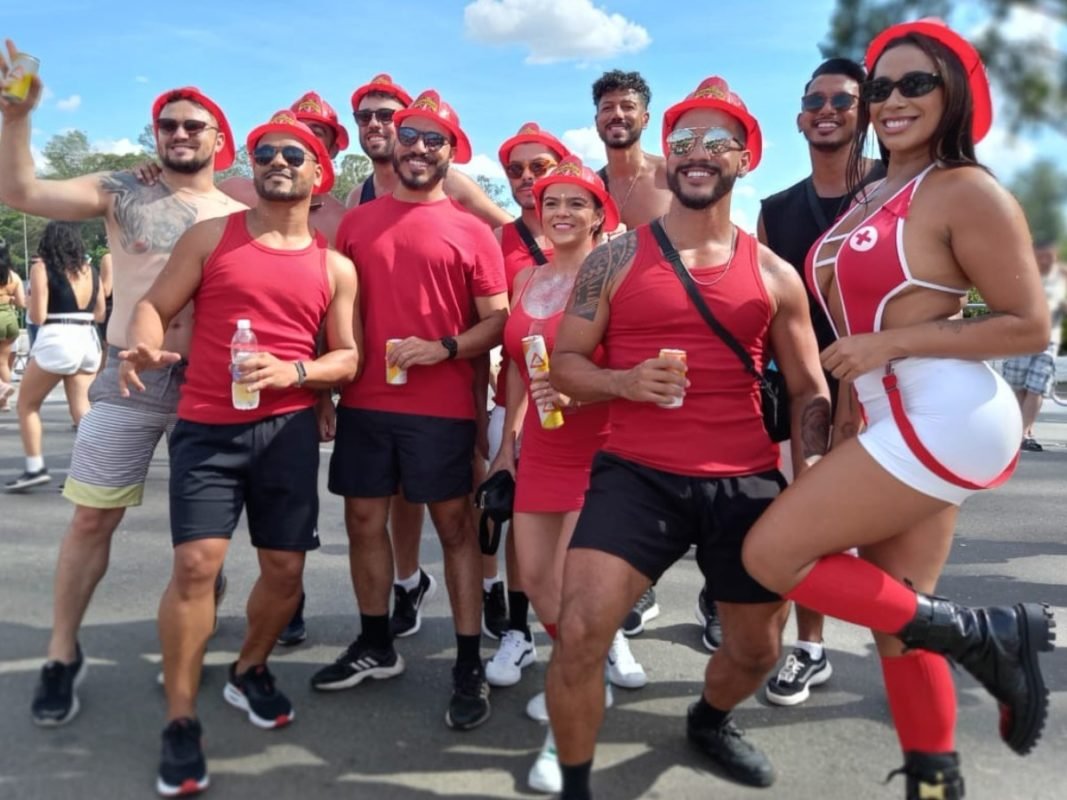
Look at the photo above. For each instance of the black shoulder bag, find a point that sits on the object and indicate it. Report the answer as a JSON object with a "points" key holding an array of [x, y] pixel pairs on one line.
{"points": [[773, 394], [538, 254]]}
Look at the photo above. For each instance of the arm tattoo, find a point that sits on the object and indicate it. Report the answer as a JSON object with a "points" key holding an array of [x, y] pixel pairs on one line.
{"points": [[599, 268], [150, 218], [960, 325], [815, 427]]}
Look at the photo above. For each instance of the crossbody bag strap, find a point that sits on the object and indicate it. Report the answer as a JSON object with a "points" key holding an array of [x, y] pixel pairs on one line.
{"points": [[530, 242]]}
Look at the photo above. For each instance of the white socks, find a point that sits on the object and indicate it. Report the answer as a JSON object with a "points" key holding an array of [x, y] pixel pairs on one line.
{"points": [[34, 463], [813, 649]]}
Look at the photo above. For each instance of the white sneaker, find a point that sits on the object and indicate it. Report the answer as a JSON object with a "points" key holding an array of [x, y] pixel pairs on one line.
{"points": [[623, 669], [537, 708], [515, 653], [545, 774]]}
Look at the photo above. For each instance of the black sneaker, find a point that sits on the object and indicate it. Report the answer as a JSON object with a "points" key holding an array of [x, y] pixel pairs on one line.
{"points": [[792, 685], [728, 748], [708, 617], [182, 769], [407, 610], [495, 611], [645, 610], [295, 632], [1031, 445], [355, 665], [469, 706], [254, 691], [55, 701], [27, 480]]}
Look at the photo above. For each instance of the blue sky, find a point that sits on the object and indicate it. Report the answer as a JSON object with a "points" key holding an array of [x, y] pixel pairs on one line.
{"points": [[498, 62]]}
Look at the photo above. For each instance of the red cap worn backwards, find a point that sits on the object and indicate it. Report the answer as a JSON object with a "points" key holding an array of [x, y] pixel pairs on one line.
{"points": [[937, 30], [571, 170], [285, 122], [380, 83], [312, 108], [224, 157], [714, 92], [531, 133], [429, 105]]}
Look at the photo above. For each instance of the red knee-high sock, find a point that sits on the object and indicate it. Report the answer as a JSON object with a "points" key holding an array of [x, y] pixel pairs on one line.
{"points": [[922, 699], [856, 591]]}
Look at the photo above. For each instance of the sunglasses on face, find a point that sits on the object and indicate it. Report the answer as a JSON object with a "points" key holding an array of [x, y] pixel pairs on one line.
{"points": [[432, 139], [365, 115], [716, 141], [839, 101], [190, 126], [538, 167], [294, 156], [912, 84]]}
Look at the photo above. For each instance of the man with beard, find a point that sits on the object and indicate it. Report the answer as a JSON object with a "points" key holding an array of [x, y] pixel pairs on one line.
{"points": [[433, 299], [267, 267], [789, 223], [116, 439], [687, 460]]}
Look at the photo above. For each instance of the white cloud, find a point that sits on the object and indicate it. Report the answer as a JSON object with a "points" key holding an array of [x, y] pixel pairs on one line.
{"points": [[40, 163], [481, 164], [1004, 153], [554, 30], [141, 79], [586, 144], [69, 103], [1024, 24], [117, 147]]}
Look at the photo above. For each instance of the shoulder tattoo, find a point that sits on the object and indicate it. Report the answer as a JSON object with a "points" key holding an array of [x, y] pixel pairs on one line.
{"points": [[599, 268], [150, 218]]}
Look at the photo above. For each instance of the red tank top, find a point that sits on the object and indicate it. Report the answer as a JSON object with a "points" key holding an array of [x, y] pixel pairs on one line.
{"points": [[285, 293], [718, 431], [517, 257]]}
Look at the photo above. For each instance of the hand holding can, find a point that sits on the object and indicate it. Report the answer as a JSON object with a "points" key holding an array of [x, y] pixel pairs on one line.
{"points": [[680, 356], [394, 376], [19, 76], [536, 353]]}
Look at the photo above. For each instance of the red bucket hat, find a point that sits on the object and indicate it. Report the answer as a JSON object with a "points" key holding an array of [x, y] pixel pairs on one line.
{"points": [[224, 158], [571, 170], [286, 122], [312, 108], [531, 133], [714, 92], [380, 83], [972, 64], [429, 105]]}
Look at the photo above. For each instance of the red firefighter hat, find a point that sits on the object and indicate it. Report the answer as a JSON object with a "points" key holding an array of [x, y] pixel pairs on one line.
{"points": [[286, 122], [429, 105], [224, 157], [714, 92], [571, 170], [312, 108], [382, 82], [532, 133]]}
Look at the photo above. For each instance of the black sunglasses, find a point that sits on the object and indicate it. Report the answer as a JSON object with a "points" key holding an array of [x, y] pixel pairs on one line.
{"points": [[294, 156], [912, 84], [716, 141], [365, 115], [191, 126], [539, 167], [432, 139], [839, 101]]}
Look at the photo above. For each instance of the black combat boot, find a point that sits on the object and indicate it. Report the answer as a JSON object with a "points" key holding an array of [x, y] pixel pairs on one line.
{"points": [[999, 647], [932, 775]]}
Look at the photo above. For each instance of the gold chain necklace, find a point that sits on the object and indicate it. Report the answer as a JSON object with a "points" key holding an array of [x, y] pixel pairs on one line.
{"points": [[725, 269]]}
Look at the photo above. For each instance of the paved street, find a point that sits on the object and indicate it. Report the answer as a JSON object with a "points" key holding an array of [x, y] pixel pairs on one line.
{"points": [[389, 740]]}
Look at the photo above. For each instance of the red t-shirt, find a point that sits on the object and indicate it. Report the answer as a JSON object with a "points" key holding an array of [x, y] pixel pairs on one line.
{"points": [[420, 267], [285, 294], [718, 431]]}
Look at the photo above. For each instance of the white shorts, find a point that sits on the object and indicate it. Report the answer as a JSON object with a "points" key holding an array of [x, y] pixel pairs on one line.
{"points": [[67, 349], [963, 412]]}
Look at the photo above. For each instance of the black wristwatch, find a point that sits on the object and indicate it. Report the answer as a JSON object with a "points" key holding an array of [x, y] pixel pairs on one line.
{"points": [[449, 343]]}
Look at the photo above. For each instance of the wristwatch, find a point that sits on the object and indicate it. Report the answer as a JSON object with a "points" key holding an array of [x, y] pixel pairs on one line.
{"points": [[449, 343]]}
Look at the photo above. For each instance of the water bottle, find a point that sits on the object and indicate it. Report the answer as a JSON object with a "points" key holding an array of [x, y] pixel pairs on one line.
{"points": [[243, 345]]}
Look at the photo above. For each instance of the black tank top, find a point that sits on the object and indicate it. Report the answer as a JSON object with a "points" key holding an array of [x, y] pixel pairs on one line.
{"points": [[61, 299], [366, 194], [603, 173]]}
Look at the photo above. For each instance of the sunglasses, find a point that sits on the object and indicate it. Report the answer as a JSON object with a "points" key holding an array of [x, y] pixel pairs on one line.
{"points": [[365, 115], [432, 139], [539, 167], [839, 101], [190, 126], [294, 156], [913, 84], [716, 141]]}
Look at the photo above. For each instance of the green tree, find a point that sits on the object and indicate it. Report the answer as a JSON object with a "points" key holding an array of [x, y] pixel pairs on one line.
{"points": [[351, 172], [1041, 190], [497, 192], [241, 168], [1031, 76]]}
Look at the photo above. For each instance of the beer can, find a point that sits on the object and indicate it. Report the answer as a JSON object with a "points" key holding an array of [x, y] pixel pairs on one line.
{"points": [[667, 352], [394, 375], [19, 77], [536, 352]]}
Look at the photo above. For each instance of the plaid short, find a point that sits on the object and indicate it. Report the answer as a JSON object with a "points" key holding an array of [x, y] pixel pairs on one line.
{"points": [[1032, 373]]}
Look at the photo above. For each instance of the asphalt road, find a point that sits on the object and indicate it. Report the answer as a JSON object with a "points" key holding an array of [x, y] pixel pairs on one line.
{"points": [[389, 740]]}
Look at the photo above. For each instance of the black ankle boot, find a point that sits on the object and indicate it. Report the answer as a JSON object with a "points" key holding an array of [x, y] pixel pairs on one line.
{"points": [[999, 647], [932, 775]]}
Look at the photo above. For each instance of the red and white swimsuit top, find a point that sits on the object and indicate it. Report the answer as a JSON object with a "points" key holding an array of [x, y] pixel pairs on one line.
{"points": [[869, 266]]}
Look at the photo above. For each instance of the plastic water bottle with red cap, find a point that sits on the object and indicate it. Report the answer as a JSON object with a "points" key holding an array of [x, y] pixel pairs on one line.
{"points": [[243, 346]]}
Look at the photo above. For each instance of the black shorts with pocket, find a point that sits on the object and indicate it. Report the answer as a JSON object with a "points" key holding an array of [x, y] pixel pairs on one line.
{"points": [[269, 467], [650, 518]]}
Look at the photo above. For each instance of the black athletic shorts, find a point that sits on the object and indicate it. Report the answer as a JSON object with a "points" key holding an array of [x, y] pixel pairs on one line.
{"points": [[270, 467], [650, 518], [377, 451]]}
